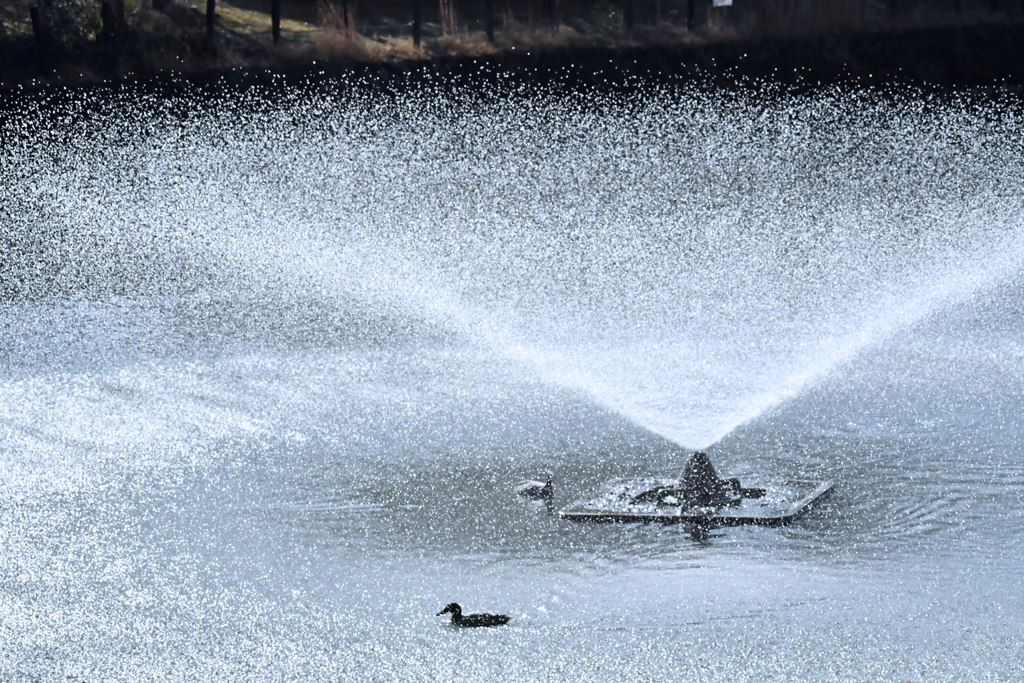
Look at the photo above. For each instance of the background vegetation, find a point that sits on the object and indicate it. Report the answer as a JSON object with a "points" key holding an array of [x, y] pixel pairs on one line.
{"points": [[145, 36]]}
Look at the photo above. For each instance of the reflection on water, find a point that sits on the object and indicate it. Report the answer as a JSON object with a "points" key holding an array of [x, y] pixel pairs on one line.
{"points": [[268, 383]]}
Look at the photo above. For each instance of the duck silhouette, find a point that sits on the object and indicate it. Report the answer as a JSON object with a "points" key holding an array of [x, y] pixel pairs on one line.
{"points": [[535, 489], [471, 620]]}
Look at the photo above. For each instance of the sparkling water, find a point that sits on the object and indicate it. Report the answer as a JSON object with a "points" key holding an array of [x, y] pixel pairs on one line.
{"points": [[273, 360]]}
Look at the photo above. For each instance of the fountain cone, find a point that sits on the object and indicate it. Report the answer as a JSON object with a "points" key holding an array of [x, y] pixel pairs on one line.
{"points": [[699, 497]]}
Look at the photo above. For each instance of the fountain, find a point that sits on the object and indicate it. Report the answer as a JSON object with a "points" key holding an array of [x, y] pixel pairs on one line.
{"points": [[269, 357], [699, 498]]}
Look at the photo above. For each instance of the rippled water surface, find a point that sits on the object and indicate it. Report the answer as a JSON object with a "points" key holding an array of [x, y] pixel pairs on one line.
{"points": [[272, 361]]}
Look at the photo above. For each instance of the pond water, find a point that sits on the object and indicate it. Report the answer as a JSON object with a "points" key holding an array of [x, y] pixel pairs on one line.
{"points": [[272, 361]]}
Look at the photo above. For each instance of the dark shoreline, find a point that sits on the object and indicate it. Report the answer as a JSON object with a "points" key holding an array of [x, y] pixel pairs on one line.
{"points": [[951, 58], [983, 56]]}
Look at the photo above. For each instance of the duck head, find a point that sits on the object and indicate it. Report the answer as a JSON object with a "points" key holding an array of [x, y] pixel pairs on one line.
{"points": [[452, 607]]}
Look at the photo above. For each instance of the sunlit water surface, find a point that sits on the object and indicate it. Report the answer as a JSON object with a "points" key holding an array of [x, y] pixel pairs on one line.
{"points": [[272, 362]]}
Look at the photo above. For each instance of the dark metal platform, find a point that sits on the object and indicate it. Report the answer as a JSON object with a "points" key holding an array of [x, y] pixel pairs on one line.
{"points": [[631, 500]]}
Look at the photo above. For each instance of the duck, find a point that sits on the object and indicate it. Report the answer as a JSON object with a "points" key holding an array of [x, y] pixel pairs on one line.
{"points": [[472, 620], [535, 489]]}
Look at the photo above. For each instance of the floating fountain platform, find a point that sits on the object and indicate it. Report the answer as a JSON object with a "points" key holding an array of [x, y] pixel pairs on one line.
{"points": [[699, 498]]}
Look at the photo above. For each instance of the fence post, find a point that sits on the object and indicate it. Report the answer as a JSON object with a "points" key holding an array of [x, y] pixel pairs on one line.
{"points": [[417, 22], [275, 19], [691, 10], [37, 25], [109, 28], [490, 21], [42, 61], [107, 17], [210, 11]]}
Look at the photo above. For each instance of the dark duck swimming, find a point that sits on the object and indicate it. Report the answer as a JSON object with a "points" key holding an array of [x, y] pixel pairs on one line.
{"points": [[472, 620]]}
